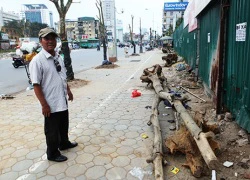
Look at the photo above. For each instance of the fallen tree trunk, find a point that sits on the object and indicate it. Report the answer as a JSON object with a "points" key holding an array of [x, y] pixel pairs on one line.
{"points": [[157, 148], [199, 137]]}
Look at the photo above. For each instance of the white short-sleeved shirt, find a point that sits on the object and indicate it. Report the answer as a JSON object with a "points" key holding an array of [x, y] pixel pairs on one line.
{"points": [[54, 84]]}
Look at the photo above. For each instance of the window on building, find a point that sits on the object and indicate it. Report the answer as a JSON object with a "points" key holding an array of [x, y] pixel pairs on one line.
{"points": [[171, 20], [171, 13]]}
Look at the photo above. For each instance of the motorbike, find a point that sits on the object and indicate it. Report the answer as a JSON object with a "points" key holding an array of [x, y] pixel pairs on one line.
{"points": [[18, 61], [98, 48]]}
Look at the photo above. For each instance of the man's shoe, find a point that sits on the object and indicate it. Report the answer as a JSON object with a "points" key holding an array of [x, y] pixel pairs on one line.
{"points": [[60, 158], [68, 146]]}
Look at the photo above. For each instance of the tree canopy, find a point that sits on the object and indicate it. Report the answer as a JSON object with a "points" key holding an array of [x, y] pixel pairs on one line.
{"points": [[24, 29]]}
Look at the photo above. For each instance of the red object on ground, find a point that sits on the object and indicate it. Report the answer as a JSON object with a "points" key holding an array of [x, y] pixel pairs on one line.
{"points": [[135, 93]]}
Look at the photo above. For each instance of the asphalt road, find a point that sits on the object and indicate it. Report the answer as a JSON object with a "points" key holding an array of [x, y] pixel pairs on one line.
{"points": [[14, 80]]}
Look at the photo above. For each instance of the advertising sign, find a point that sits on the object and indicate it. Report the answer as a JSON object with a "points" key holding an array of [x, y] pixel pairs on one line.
{"points": [[85, 36], [241, 31], [4, 36], [189, 17], [192, 21], [175, 6]]}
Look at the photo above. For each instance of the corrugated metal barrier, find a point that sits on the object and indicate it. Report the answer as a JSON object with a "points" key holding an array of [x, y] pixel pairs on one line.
{"points": [[236, 80], [237, 63]]}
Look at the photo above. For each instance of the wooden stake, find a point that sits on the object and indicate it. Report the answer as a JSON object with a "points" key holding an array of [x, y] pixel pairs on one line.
{"points": [[192, 94]]}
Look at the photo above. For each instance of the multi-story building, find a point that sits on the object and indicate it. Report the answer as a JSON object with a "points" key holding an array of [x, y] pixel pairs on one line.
{"points": [[111, 22], [82, 28], [108, 7], [70, 29], [38, 13], [88, 27], [119, 30], [172, 11], [8, 36], [6, 17]]}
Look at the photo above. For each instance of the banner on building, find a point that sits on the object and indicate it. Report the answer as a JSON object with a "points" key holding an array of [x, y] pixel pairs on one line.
{"points": [[192, 20], [85, 36], [175, 6], [190, 17]]}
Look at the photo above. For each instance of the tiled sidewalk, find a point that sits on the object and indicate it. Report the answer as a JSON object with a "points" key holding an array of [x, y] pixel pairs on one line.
{"points": [[104, 119]]}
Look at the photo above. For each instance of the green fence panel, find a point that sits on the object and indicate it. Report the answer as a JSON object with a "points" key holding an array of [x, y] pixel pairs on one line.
{"points": [[237, 64], [208, 45], [185, 44]]}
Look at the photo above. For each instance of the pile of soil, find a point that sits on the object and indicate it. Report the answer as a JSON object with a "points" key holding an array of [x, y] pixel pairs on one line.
{"points": [[110, 66], [77, 83]]}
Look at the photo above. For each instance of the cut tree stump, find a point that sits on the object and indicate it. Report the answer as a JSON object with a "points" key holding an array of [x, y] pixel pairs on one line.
{"points": [[170, 59]]}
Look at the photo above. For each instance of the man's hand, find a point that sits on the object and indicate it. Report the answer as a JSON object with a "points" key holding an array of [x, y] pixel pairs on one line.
{"points": [[39, 94], [70, 96], [69, 93], [46, 110]]}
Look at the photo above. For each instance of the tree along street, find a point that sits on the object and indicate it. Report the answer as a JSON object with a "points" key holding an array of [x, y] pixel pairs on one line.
{"points": [[15, 80]]}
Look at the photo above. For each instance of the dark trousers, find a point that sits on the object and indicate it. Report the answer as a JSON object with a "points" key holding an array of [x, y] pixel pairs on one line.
{"points": [[56, 131]]}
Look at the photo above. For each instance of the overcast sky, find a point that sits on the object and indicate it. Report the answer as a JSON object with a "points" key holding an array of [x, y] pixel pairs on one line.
{"points": [[150, 11]]}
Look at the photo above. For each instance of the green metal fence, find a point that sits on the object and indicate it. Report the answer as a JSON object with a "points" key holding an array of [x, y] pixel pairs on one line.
{"points": [[185, 44], [236, 80], [208, 45], [237, 63]]}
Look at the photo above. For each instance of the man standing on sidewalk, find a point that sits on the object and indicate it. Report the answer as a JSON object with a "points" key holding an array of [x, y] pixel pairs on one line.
{"points": [[48, 76]]}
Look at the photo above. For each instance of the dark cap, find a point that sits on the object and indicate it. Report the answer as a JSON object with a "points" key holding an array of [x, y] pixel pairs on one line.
{"points": [[45, 31]]}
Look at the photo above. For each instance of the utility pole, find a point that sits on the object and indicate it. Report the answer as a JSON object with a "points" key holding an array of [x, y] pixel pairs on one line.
{"points": [[141, 51], [155, 39], [150, 36], [116, 59]]}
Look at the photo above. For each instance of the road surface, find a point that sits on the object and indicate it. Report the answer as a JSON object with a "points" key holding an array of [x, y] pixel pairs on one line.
{"points": [[15, 80]]}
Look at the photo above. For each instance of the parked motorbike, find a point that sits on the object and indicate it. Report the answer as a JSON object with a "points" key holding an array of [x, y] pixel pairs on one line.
{"points": [[18, 61], [98, 48]]}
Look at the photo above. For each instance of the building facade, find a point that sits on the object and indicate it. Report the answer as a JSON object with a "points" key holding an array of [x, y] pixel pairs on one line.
{"points": [[82, 28], [38, 13], [6, 17], [8, 37], [108, 7], [119, 30], [111, 22], [88, 27]]}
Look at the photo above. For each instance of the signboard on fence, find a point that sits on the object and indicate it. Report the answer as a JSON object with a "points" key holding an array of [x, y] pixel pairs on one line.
{"points": [[241, 31], [175, 6]]}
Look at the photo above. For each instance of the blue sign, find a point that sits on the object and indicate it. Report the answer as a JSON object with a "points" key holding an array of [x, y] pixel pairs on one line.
{"points": [[175, 6]]}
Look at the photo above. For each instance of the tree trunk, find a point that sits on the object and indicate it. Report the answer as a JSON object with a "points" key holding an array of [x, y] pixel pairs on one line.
{"points": [[104, 49], [157, 151], [65, 50], [134, 47]]}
